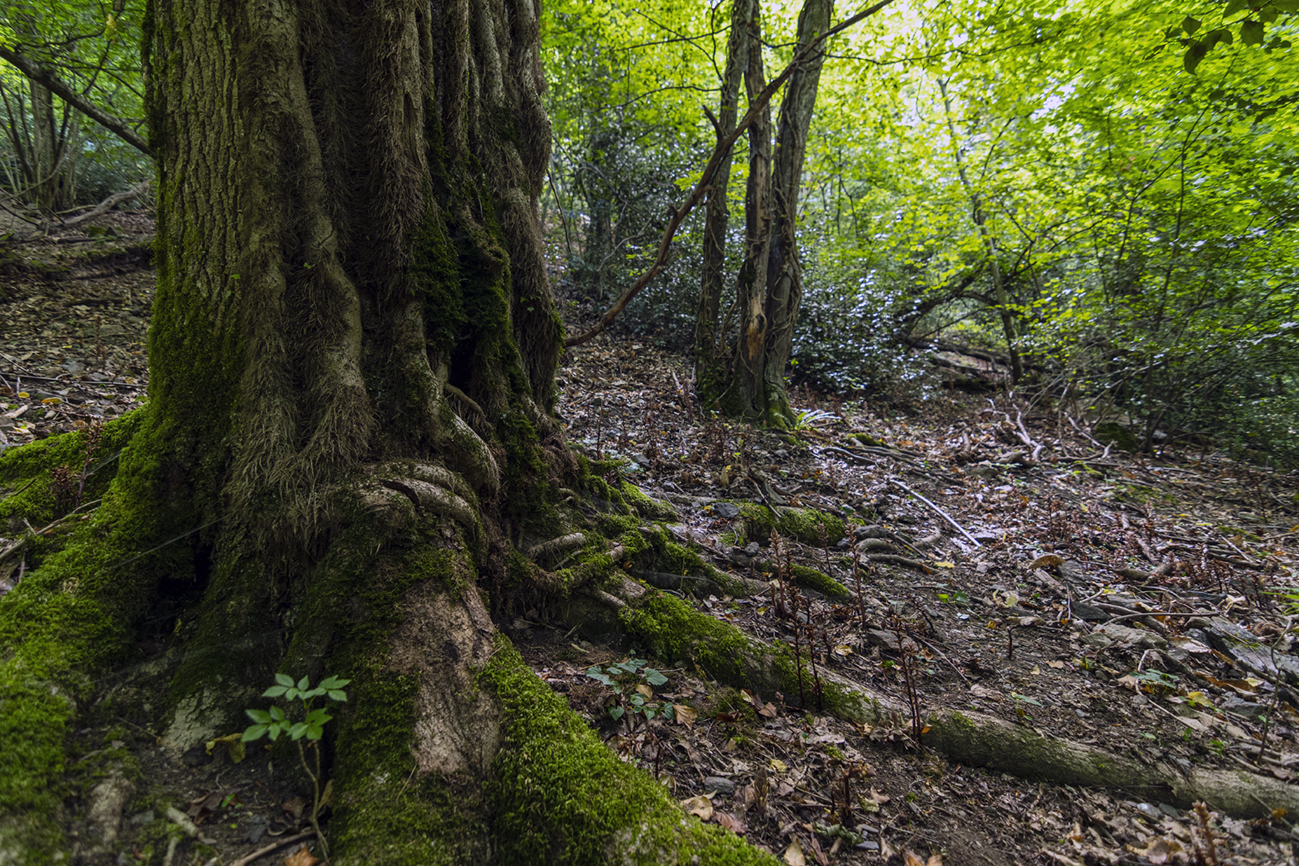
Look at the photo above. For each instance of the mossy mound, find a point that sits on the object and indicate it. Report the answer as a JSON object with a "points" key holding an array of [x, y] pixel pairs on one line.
{"points": [[806, 525], [810, 578]]}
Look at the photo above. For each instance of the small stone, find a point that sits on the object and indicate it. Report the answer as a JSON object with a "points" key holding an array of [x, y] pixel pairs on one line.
{"points": [[196, 757], [1241, 707], [721, 784], [726, 510]]}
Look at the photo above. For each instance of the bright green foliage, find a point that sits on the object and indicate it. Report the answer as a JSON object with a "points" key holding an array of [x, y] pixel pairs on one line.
{"points": [[275, 721], [53, 155], [1047, 178], [632, 683]]}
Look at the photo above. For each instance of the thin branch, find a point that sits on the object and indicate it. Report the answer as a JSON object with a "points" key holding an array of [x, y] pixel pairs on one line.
{"points": [[35, 72], [941, 513]]}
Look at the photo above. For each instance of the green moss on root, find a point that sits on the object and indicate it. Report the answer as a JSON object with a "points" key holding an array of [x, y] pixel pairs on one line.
{"points": [[26, 489], [810, 578], [802, 524], [560, 796], [648, 507], [674, 631], [391, 815]]}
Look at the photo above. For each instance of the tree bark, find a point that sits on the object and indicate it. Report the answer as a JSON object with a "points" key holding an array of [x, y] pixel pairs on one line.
{"points": [[785, 271], [349, 446]]}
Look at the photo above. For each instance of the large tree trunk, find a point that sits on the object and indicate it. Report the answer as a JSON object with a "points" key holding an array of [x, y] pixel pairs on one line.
{"points": [[349, 445], [747, 378]]}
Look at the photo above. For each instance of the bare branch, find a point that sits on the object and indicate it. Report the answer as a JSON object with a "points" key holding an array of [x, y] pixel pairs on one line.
{"points": [[44, 77]]}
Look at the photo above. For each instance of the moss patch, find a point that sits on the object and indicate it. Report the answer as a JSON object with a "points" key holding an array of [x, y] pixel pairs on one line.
{"points": [[810, 578], [559, 796], [674, 631], [802, 524], [653, 509], [25, 484]]}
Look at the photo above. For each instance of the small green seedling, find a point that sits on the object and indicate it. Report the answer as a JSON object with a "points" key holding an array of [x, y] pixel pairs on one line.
{"points": [[276, 721], [632, 682]]}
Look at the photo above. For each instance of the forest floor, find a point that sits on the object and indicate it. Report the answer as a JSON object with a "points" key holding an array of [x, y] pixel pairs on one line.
{"points": [[999, 560]]}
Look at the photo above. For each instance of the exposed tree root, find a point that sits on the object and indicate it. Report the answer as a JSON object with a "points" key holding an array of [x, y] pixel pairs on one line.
{"points": [[677, 632], [555, 546]]}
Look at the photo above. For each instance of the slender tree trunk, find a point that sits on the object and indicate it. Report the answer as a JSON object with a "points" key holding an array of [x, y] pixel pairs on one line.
{"points": [[744, 392], [48, 156], [597, 239], [710, 346], [785, 271], [748, 380]]}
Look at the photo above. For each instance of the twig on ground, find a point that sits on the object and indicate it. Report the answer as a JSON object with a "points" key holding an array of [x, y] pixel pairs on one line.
{"points": [[941, 513], [266, 849]]}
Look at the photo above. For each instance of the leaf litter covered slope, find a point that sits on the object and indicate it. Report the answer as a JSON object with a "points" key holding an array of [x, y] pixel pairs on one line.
{"points": [[1108, 602], [1125, 605], [73, 319]]}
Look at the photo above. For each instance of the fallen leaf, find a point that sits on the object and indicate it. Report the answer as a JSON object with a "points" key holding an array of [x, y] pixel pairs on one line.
{"points": [[817, 852], [730, 822], [778, 765], [1050, 560], [1055, 664], [1158, 849], [794, 854], [301, 857], [685, 715], [700, 807]]}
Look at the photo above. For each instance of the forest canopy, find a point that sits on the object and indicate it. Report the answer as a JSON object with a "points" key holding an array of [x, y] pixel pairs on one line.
{"points": [[1104, 194]]}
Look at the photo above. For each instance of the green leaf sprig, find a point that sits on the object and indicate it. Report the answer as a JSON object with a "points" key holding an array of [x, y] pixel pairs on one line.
{"points": [[276, 721]]}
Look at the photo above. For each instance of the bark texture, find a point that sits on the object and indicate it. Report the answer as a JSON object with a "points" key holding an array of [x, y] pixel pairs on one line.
{"points": [[349, 447]]}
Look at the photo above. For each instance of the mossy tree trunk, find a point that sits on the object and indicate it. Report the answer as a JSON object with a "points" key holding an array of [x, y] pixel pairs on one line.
{"points": [[740, 370], [349, 445]]}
